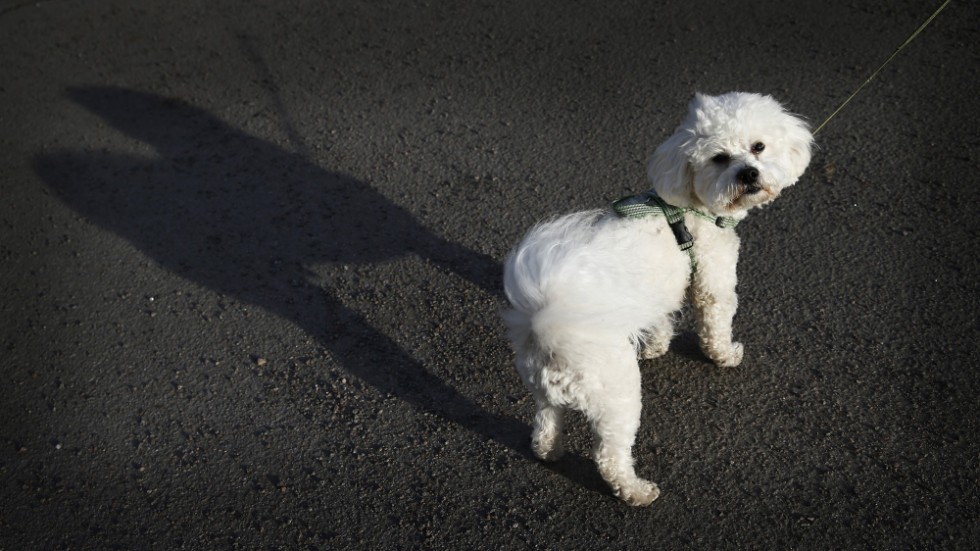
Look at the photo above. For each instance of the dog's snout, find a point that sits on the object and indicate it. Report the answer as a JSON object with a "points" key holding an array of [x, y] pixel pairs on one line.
{"points": [[748, 175]]}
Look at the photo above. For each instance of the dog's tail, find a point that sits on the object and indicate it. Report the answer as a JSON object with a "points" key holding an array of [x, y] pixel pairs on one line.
{"points": [[544, 258], [531, 269], [549, 290], [547, 329]]}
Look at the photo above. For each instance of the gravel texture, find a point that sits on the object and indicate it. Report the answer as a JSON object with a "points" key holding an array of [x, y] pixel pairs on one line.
{"points": [[251, 260]]}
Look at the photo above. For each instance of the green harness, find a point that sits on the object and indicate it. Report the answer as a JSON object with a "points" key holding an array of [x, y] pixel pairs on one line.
{"points": [[649, 203]]}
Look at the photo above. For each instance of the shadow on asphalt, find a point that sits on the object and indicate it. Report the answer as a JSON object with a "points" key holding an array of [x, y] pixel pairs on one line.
{"points": [[245, 218]]}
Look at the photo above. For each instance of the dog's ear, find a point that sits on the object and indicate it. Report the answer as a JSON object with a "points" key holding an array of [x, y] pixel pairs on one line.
{"points": [[800, 142], [669, 169], [700, 103]]}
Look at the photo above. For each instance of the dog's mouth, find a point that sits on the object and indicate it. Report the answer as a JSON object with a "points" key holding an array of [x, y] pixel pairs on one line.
{"points": [[749, 195]]}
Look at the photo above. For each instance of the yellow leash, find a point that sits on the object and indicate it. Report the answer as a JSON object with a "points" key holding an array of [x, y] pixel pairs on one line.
{"points": [[887, 61]]}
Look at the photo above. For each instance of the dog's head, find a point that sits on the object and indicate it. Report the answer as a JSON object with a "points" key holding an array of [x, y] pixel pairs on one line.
{"points": [[731, 153]]}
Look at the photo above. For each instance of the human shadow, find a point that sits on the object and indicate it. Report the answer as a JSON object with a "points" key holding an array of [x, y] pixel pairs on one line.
{"points": [[246, 218]]}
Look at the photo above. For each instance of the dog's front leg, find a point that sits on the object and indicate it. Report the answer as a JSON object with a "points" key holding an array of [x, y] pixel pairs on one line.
{"points": [[713, 294]]}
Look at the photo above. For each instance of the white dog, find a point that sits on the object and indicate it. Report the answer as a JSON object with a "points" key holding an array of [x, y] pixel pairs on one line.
{"points": [[592, 290]]}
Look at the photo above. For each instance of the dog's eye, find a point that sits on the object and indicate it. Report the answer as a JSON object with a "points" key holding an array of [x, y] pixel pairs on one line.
{"points": [[721, 159], [757, 147]]}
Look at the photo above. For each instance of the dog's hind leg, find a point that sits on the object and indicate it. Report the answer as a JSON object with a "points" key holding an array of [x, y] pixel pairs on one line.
{"points": [[656, 339], [546, 437], [543, 377], [614, 411]]}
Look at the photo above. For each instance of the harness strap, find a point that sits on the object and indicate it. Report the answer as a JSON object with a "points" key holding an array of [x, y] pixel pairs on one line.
{"points": [[649, 203]]}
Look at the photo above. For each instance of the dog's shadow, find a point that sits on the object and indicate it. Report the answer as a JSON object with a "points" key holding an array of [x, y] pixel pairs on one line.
{"points": [[246, 218]]}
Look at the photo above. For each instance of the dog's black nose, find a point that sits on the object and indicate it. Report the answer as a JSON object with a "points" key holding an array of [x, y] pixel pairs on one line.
{"points": [[748, 175]]}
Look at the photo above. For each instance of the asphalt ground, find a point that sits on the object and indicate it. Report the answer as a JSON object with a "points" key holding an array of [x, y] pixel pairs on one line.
{"points": [[251, 259]]}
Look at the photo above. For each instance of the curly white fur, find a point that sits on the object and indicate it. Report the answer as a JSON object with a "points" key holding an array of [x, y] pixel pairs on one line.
{"points": [[587, 290]]}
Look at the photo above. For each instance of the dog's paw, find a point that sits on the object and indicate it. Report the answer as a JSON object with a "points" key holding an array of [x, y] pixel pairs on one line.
{"points": [[729, 356], [548, 449], [651, 351], [655, 344], [640, 493]]}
